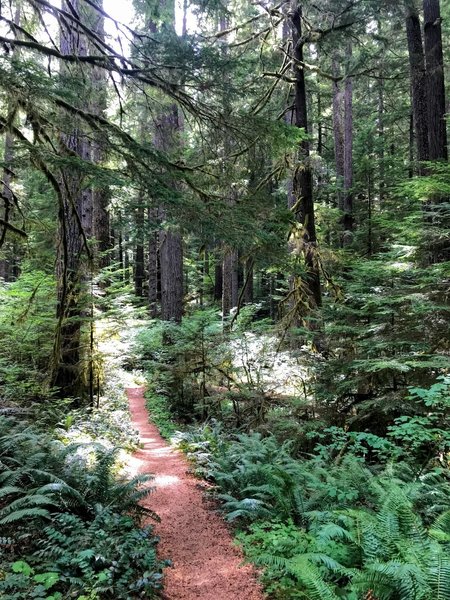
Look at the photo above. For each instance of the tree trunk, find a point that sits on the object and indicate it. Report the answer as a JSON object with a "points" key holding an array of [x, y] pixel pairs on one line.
{"points": [[230, 288], [75, 224], [153, 263], [218, 280], [101, 194], [168, 128], [171, 258], [338, 130], [6, 270], [437, 131], [418, 85], [348, 156], [7, 209], [381, 109], [248, 281], [139, 261], [302, 183]]}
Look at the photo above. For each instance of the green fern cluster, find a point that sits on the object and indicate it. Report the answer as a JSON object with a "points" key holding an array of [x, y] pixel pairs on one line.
{"points": [[65, 510], [325, 530]]}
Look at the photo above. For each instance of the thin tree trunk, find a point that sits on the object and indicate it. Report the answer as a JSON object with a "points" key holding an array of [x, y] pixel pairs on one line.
{"points": [[381, 109], [230, 285], [248, 281], [101, 194], [139, 261], [8, 205], [126, 260], [153, 263], [411, 147], [338, 130], [348, 155], [218, 280], [230, 288]]}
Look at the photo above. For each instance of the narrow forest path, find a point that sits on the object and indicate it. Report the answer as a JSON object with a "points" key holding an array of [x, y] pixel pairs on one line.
{"points": [[206, 564]]}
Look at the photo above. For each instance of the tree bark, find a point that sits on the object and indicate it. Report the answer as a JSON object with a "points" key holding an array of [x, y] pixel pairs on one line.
{"points": [[101, 193], [218, 280], [153, 262], [418, 86], [338, 131], [348, 156], [230, 289], [437, 131], [167, 135], [302, 182], [171, 258], [168, 126], [75, 225], [248, 281], [139, 261], [6, 270]]}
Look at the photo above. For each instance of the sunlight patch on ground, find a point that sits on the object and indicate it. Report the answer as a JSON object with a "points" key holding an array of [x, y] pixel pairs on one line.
{"points": [[165, 480], [257, 362]]}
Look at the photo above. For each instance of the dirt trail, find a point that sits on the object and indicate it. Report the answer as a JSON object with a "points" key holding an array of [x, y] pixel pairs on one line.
{"points": [[206, 565]]}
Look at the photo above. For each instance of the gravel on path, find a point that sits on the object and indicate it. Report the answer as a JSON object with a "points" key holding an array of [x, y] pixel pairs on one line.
{"points": [[205, 563]]}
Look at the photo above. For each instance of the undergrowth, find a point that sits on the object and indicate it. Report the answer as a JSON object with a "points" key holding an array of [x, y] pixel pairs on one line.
{"points": [[71, 521], [329, 513]]}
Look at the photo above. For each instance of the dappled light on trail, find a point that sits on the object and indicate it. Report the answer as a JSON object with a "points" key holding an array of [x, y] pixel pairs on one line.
{"points": [[205, 563]]}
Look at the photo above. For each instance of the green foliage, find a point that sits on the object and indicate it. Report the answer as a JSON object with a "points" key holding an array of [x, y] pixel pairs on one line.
{"points": [[179, 359], [330, 527], [425, 434], [27, 322], [22, 582], [257, 479], [64, 509], [105, 556], [160, 414]]}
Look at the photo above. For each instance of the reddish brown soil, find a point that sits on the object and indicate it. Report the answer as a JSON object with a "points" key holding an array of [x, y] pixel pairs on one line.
{"points": [[206, 564]]}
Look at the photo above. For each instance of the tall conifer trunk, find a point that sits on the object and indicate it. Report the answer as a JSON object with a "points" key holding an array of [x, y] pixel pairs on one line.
{"points": [[170, 239], [302, 183], [139, 258], [230, 284], [418, 85], [7, 197], [168, 127], [100, 193], [348, 154], [338, 131], [153, 261], [437, 131], [75, 225]]}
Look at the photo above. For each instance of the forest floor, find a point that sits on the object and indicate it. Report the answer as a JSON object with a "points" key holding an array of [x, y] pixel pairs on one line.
{"points": [[206, 565]]}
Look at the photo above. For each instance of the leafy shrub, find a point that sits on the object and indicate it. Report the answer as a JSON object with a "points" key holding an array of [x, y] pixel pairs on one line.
{"points": [[425, 434], [27, 322]]}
